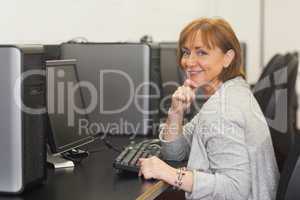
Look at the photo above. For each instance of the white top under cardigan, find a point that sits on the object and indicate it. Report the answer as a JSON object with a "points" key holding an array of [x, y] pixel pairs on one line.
{"points": [[228, 146]]}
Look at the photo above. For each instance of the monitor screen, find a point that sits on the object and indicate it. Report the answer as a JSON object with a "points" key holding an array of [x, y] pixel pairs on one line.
{"points": [[171, 74], [120, 73], [65, 106]]}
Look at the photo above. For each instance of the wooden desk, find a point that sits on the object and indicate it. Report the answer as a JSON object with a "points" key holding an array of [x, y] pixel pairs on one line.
{"points": [[153, 191]]}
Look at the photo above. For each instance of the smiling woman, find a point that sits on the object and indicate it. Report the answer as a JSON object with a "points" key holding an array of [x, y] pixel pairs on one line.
{"points": [[212, 34], [216, 56], [227, 144]]}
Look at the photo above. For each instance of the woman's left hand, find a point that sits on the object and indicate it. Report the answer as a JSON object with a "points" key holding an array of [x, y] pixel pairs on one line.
{"points": [[154, 168]]}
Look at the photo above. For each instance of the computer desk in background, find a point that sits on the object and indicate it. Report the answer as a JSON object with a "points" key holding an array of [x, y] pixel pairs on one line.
{"points": [[95, 179]]}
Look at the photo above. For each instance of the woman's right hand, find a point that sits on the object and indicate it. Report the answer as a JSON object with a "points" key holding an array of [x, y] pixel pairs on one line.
{"points": [[183, 97]]}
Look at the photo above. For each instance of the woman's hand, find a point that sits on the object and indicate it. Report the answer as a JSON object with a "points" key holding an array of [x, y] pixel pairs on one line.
{"points": [[155, 168], [183, 97]]}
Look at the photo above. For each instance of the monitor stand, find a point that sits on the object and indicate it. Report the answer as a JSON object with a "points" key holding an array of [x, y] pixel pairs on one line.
{"points": [[58, 162]]}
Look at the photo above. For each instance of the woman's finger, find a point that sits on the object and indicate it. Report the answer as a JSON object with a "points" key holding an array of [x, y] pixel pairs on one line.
{"points": [[179, 96], [188, 94], [182, 97], [191, 84]]}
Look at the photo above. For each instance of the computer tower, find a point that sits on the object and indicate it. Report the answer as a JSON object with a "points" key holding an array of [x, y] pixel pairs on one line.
{"points": [[171, 74], [113, 69], [22, 118], [156, 90], [51, 51]]}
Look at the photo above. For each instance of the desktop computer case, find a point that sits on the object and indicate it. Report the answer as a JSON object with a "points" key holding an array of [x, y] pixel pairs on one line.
{"points": [[22, 137], [140, 61]]}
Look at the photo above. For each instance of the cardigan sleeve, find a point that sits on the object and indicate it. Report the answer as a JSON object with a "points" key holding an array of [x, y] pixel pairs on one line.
{"points": [[229, 177], [178, 149]]}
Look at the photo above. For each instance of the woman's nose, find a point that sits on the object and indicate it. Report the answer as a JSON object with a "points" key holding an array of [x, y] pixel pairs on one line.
{"points": [[191, 61]]}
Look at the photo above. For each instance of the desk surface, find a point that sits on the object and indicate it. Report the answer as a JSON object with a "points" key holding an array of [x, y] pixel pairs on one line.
{"points": [[93, 179]]}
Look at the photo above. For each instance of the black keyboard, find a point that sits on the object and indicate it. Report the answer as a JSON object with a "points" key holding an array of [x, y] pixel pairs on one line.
{"points": [[129, 157]]}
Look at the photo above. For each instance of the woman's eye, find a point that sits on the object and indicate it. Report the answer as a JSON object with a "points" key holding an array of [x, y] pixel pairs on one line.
{"points": [[201, 53], [185, 52]]}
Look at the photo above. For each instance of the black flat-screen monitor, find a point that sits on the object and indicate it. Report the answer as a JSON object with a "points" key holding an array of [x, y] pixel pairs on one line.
{"points": [[171, 74], [120, 74], [65, 107]]}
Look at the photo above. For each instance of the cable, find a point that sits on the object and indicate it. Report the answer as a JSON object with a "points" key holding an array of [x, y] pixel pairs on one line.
{"points": [[108, 144], [75, 155], [111, 146], [91, 151]]}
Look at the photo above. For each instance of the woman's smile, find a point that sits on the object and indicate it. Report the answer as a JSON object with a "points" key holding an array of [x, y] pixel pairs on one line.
{"points": [[192, 73]]}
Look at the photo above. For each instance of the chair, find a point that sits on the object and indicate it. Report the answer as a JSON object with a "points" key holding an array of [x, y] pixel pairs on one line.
{"points": [[276, 94], [262, 89], [288, 188], [290, 173]]}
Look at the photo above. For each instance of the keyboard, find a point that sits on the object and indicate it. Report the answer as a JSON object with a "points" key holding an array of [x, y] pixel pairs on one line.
{"points": [[128, 159]]}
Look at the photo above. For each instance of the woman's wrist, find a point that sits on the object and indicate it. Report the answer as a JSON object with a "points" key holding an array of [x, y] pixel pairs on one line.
{"points": [[179, 178], [174, 116], [169, 175], [174, 112]]}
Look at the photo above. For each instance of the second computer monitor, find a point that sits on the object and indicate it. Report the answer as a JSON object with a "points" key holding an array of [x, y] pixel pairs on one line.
{"points": [[66, 109], [172, 75], [120, 75]]}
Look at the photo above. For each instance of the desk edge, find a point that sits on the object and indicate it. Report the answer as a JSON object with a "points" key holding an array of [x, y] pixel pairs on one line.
{"points": [[154, 191]]}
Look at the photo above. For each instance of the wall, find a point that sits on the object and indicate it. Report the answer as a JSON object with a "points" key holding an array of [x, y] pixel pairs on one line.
{"points": [[282, 32], [282, 27], [245, 19], [34, 21], [55, 21]]}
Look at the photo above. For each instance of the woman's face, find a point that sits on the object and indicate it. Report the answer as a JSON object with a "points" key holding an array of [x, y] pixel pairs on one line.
{"points": [[201, 64]]}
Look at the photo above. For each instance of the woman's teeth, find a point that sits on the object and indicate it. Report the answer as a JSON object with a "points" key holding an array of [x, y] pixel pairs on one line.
{"points": [[194, 72]]}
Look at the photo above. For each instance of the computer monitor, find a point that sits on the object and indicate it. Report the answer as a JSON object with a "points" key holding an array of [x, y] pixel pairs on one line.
{"points": [[65, 106], [120, 73], [172, 75], [244, 56]]}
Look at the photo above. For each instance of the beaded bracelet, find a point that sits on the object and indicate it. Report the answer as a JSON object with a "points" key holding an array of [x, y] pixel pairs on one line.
{"points": [[180, 173]]}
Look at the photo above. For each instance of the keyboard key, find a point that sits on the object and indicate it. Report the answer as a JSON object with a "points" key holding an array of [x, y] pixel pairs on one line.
{"points": [[122, 155], [128, 158]]}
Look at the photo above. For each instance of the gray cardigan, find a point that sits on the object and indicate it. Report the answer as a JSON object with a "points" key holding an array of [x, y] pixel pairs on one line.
{"points": [[228, 146]]}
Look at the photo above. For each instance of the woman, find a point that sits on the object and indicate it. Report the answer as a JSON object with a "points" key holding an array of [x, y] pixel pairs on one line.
{"points": [[227, 144]]}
